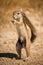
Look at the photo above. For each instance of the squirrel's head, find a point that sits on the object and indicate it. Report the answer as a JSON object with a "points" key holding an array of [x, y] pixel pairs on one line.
{"points": [[17, 16]]}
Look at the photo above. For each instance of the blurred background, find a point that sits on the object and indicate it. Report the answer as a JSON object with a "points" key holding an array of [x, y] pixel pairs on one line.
{"points": [[8, 33]]}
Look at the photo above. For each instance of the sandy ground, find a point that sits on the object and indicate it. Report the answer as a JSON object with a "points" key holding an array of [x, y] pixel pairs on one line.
{"points": [[8, 34]]}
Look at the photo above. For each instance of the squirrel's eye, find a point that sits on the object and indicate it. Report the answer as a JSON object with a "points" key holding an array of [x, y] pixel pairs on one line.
{"points": [[18, 13]]}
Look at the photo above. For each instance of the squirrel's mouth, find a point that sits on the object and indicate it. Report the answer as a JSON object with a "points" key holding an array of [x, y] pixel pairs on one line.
{"points": [[17, 19]]}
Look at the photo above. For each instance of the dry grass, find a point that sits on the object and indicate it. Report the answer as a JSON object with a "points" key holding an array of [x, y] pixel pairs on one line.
{"points": [[8, 33]]}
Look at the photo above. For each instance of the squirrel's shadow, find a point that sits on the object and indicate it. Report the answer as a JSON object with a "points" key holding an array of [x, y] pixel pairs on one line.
{"points": [[9, 55]]}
